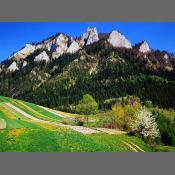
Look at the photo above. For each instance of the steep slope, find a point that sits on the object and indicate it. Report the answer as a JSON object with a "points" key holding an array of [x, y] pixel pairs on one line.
{"points": [[62, 69]]}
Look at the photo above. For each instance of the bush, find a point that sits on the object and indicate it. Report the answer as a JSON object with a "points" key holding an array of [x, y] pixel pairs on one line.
{"points": [[145, 125], [167, 129], [125, 114], [79, 121], [108, 121], [149, 104]]}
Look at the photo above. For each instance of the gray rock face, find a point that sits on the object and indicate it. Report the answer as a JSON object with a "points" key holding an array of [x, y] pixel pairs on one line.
{"points": [[42, 57], [23, 53], [61, 40], [13, 67], [74, 47], [90, 36], [61, 43], [166, 56], [24, 64], [116, 39], [144, 47]]}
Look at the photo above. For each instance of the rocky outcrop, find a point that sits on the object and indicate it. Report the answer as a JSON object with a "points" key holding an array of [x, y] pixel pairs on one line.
{"points": [[74, 47], [144, 47], [166, 56], [23, 53], [61, 40], [24, 64], [90, 36], [116, 39], [58, 52], [61, 43], [13, 67], [42, 57]]}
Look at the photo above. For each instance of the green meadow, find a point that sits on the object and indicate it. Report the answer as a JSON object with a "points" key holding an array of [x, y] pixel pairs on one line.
{"points": [[25, 135]]}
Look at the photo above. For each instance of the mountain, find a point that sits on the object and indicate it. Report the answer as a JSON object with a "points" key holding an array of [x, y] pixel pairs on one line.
{"points": [[59, 70]]}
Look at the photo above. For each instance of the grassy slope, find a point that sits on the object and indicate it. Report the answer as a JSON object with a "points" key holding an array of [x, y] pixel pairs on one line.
{"points": [[35, 137]]}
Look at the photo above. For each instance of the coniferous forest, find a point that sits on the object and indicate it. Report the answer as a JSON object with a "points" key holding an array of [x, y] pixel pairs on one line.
{"points": [[100, 70]]}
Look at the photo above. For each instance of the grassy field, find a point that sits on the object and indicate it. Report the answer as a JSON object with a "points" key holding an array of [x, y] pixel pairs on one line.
{"points": [[25, 135]]}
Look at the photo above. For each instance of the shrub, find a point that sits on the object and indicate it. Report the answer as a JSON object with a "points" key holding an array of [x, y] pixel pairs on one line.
{"points": [[108, 121], [145, 125], [125, 114], [79, 121], [167, 128], [149, 104]]}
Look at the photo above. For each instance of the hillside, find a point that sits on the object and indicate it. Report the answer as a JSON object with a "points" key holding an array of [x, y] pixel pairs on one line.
{"points": [[32, 128], [59, 70]]}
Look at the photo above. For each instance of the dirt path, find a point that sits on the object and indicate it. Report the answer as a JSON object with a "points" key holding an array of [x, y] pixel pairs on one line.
{"points": [[130, 146], [111, 131], [18, 110], [59, 114], [80, 129], [133, 146], [137, 147]]}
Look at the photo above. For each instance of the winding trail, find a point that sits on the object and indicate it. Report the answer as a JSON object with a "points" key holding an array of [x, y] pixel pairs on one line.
{"points": [[18, 110], [80, 129], [59, 114]]}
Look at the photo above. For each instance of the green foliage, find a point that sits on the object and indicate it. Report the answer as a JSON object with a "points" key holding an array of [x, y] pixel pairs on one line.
{"points": [[64, 140], [38, 137], [119, 73], [107, 120], [166, 127], [125, 114], [87, 105], [160, 148], [149, 104]]}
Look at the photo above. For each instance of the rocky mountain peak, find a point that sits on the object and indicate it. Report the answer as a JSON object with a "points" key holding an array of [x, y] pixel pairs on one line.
{"points": [[42, 57], [13, 67], [23, 53], [61, 45], [74, 47], [116, 39], [90, 36], [61, 40], [144, 47]]}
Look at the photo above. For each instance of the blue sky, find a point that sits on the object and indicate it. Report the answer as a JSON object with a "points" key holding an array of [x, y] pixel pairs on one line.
{"points": [[14, 35]]}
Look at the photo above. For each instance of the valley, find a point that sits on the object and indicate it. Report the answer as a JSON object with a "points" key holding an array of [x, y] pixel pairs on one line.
{"points": [[44, 132], [91, 93]]}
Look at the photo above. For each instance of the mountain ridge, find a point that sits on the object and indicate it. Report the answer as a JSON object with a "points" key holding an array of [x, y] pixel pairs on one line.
{"points": [[89, 31], [58, 73]]}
